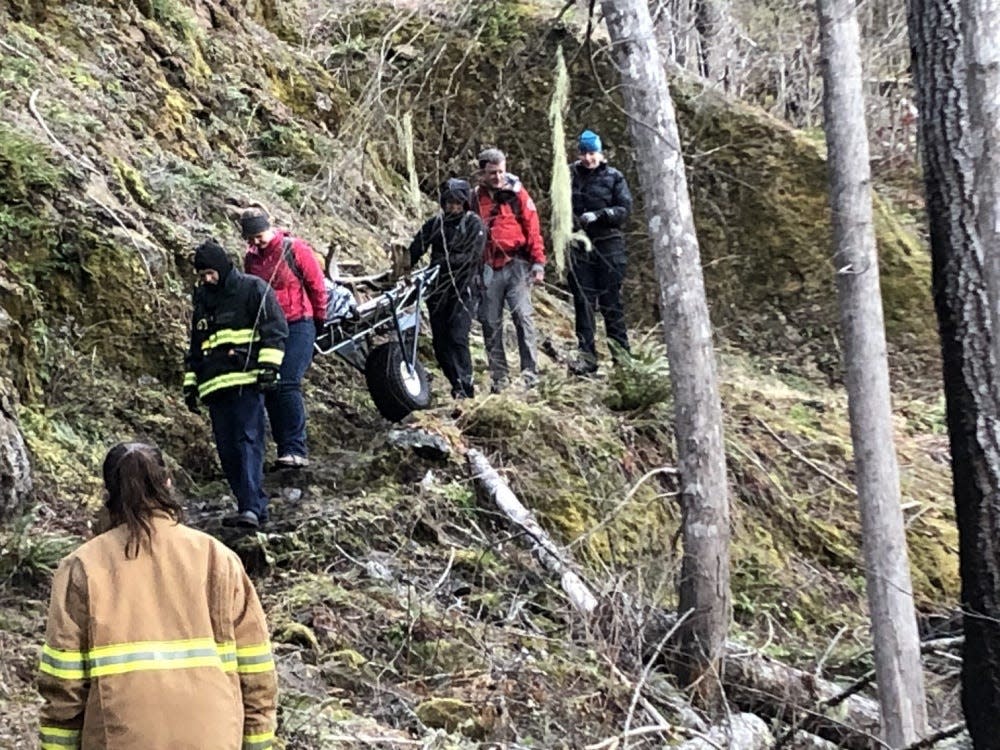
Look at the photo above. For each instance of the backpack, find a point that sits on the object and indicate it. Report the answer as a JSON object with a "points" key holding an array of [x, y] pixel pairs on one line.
{"points": [[340, 302]]}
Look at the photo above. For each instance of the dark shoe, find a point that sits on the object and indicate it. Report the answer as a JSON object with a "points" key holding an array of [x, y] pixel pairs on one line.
{"points": [[246, 519], [464, 390], [498, 386], [582, 366]]}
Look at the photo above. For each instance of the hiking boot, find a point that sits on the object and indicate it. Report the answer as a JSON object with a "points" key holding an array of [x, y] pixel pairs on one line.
{"points": [[499, 385], [292, 462], [530, 378], [245, 519], [582, 366]]}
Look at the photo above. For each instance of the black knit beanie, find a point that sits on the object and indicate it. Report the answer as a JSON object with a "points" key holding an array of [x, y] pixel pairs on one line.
{"points": [[211, 255], [456, 190], [252, 224]]}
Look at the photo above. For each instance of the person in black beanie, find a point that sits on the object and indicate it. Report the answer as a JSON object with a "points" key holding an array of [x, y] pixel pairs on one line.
{"points": [[456, 237], [291, 268], [238, 334]]}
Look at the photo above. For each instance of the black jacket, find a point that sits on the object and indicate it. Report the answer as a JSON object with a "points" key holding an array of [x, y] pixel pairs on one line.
{"points": [[236, 328], [604, 191], [456, 243]]}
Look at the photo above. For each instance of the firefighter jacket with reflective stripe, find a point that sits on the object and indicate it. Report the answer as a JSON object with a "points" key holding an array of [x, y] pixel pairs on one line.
{"points": [[165, 651], [237, 327]]}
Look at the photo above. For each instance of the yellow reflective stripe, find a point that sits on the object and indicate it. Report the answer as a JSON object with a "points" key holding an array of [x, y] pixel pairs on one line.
{"points": [[121, 658], [258, 668], [190, 379], [159, 664], [268, 356], [230, 336], [260, 741], [57, 738], [257, 649], [131, 647], [254, 659], [66, 665], [229, 380]]}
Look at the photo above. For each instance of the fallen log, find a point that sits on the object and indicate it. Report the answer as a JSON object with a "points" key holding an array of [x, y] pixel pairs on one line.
{"points": [[760, 684], [745, 731], [542, 546], [755, 683]]}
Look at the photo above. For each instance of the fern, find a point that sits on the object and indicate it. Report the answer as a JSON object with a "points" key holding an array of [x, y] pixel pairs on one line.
{"points": [[640, 379]]}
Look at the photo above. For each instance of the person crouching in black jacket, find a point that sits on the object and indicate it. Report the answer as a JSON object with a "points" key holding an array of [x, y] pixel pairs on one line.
{"points": [[455, 237], [601, 203]]}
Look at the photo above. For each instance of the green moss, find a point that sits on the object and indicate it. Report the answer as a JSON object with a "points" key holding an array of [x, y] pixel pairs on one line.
{"points": [[131, 179], [27, 167]]}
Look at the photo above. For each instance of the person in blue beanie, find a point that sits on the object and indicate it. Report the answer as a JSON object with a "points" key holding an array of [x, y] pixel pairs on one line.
{"points": [[601, 204]]}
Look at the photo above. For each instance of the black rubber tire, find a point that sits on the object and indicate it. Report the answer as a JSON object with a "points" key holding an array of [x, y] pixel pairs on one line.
{"points": [[395, 395]]}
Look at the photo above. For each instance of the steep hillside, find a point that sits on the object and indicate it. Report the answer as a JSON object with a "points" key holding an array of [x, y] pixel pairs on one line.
{"points": [[402, 606]]}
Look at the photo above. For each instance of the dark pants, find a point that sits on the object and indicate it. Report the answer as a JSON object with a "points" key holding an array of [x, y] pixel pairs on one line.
{"points": [[595, 279], [451, 321], [285, 408], [238, 425]]}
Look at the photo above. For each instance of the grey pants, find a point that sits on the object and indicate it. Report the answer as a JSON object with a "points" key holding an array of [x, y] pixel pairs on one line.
{"points": [[510, 285]]}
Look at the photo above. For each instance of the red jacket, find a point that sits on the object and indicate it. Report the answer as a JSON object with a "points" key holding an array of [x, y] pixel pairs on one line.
{"points": [[299, 300], [512, 225]]}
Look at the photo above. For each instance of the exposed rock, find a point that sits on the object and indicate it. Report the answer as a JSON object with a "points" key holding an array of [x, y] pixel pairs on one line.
{"points": [[15, 466], [425, 444]]}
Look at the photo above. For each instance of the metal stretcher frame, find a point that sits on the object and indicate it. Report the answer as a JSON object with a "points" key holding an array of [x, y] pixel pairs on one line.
{"points": [[394, 311]]}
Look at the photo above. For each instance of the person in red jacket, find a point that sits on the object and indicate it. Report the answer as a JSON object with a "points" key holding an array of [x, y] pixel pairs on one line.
{"points": [[514, 260], [290, 267]]}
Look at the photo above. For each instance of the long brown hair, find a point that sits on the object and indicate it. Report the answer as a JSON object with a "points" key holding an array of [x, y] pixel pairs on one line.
{"points": [[138, 486]]}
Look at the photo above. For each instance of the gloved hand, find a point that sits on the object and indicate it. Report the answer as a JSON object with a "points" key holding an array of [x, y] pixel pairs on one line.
{"points": [[320, 327], [191, 398], [588, 218], [267, 378]]}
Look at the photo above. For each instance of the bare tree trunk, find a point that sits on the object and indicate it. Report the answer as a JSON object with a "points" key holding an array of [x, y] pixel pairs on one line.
{"points": [[968, 345], [981, 29], [898, 670], [716, 43], [704, 585]]}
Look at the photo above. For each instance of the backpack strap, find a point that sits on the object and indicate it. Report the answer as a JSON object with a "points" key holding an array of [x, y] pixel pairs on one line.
{"points": [[289, 258]]}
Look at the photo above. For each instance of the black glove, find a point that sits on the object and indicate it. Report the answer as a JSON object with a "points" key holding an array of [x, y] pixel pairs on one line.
{"points": [[320, 327], [267, 379], [191, 398]]}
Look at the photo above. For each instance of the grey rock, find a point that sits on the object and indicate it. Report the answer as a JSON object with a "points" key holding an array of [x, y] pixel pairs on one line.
{"points": [[424, 444], [16, 484]]}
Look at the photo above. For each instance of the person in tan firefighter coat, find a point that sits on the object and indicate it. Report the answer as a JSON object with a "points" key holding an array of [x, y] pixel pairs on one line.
{"points": [[155, 637]]}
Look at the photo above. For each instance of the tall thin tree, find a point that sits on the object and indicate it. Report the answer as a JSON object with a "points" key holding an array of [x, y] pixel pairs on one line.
{"points": [[898, 671], [966, 320], [704, 584]]}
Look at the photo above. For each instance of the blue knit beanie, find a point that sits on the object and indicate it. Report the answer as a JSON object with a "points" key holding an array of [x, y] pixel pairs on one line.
{"points": [[589, 142]]}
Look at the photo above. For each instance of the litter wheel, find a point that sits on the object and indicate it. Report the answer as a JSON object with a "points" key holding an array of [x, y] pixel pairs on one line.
{"points": [[395, 390]]}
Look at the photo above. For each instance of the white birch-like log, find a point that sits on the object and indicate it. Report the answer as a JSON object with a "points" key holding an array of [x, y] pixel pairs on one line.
{"points": [[548, 553], [743, 731], [898, 671]]}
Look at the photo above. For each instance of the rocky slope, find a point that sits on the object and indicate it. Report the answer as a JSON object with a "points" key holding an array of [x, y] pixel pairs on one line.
{"points": [[402, 607]]}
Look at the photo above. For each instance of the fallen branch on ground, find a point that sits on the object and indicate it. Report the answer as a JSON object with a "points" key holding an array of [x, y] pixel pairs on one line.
{"points": [[550, 556]]}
